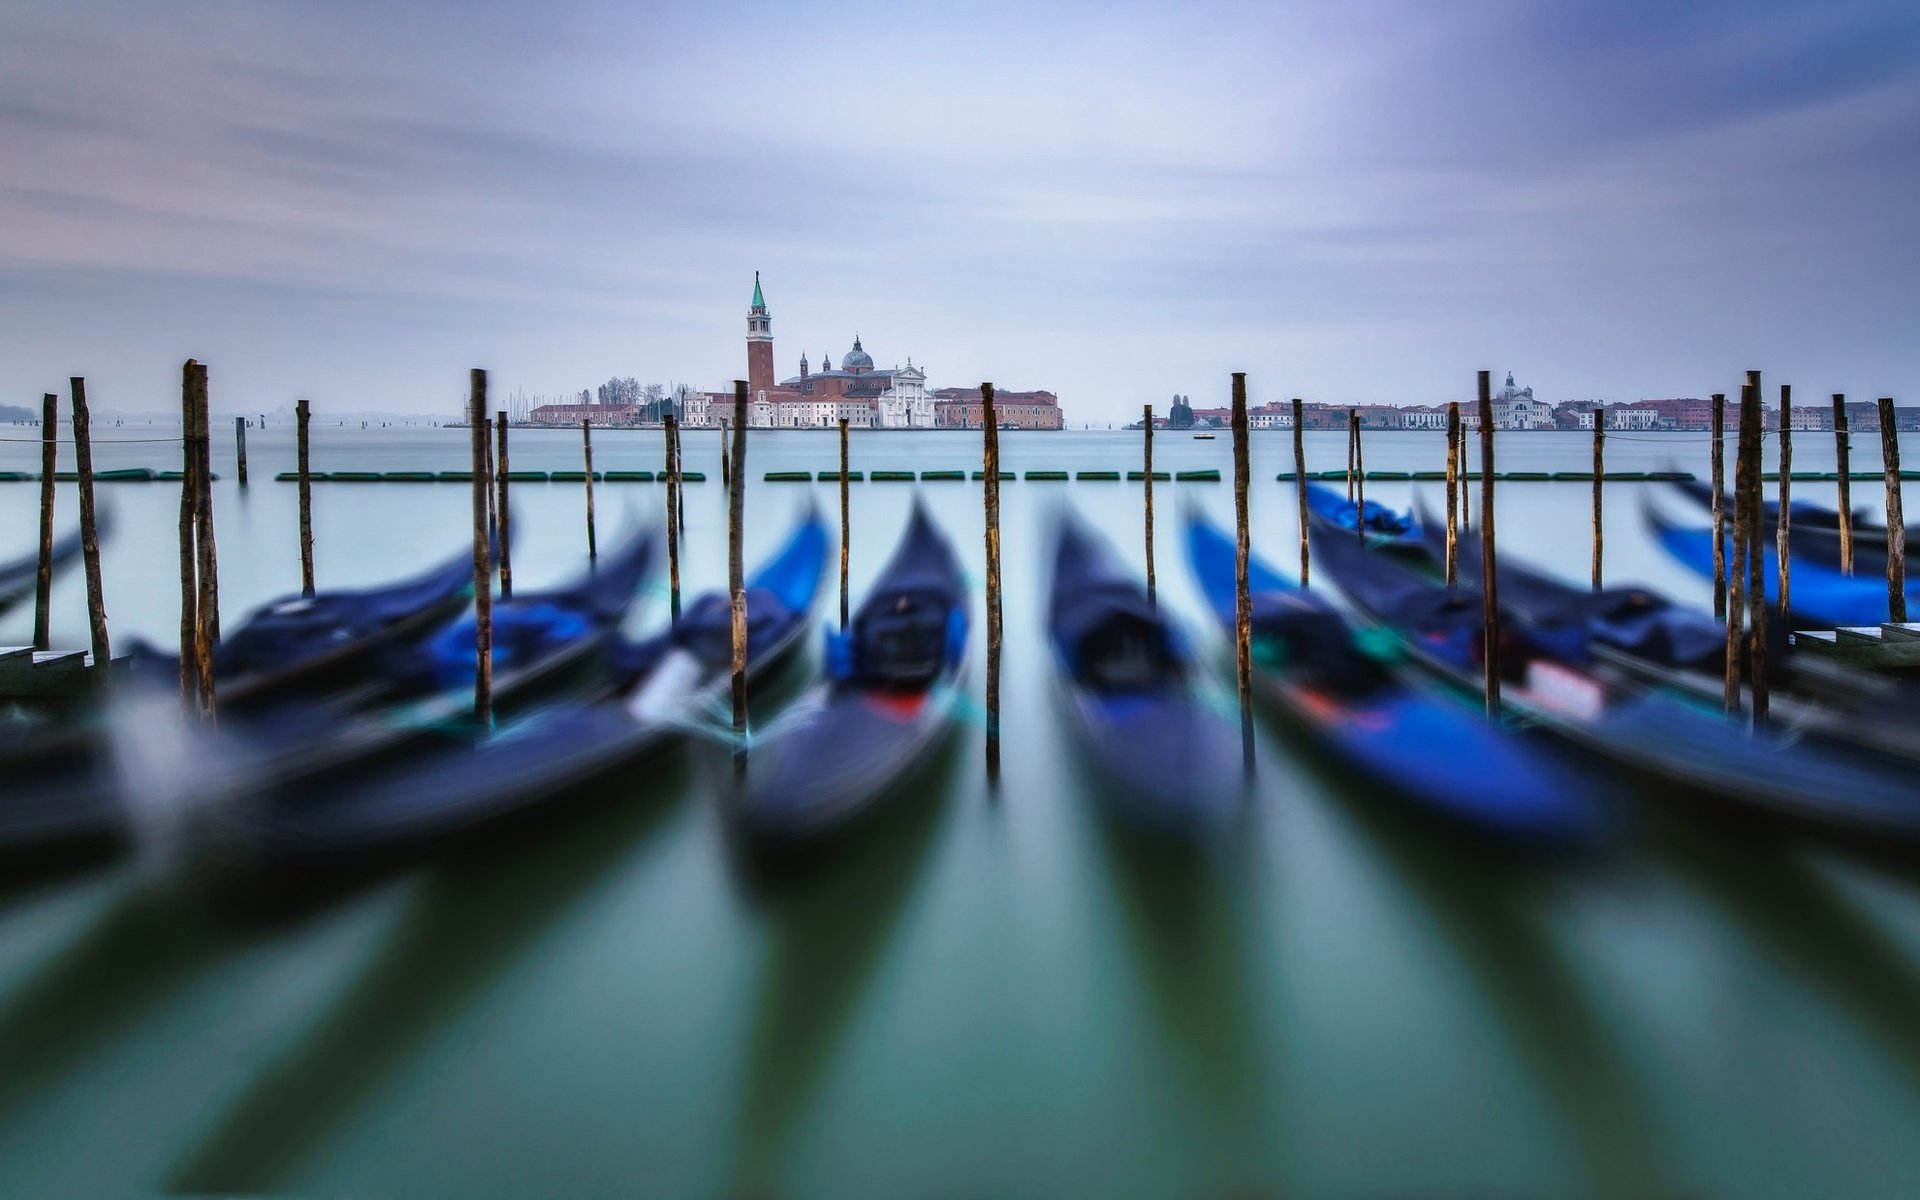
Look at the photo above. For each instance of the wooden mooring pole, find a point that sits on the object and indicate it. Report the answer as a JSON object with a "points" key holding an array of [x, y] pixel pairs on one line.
{"points": [[1146, 473], [189, 560], [1453, 493], [1300, 482], [990, 433], [1736, 608], [1353, 426], [679, 479], [1466, 501], [503, 515], [43, 579], [1717, 474], [1489, 578], [1242, 552], [726, 476], [482, 563], [208, 558], [1752, 426], [1781, 527], [586, 448], [1359, 476], [846, 525], [301, 417], [240, 448], [736, 571], [89, 528], [672, 468], [493, 518], [1841, 447], [1896, 515], [1599, 474]]}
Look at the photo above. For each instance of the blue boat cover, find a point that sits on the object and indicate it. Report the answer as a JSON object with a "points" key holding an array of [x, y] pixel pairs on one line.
{"points": [[1342, 513]]}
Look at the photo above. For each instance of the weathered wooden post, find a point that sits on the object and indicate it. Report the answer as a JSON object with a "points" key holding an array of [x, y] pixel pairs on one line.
{"points": [[1489, 577], [736, 571], [726, 477], [89, 529], [586, 447], [209, 561], [1896, 515], [43, 580], [1756, 558], [846, 525], [672, 468], [679, 481], [493, 520], [1736, 613], [1242, 551], [1599, 474], [1718, 477], [1353, 428], [1359, 476], [1785, 563], [240, 448], [990, 431], [189, 559], [1466, 503], [503, 515], [1453, 494], [1146, 425], [482, 564], [1841, 446], [301, 417], [1300, 481]]}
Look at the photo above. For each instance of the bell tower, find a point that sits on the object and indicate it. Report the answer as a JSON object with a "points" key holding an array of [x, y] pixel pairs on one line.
{"points": [[759, 343]]}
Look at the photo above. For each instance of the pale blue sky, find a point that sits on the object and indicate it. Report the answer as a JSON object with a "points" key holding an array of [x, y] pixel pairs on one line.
{"points": [[1357, 201]]}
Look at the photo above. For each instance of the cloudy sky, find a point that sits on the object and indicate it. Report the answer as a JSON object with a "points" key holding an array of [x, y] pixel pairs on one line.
{"points": [[355, 202]]}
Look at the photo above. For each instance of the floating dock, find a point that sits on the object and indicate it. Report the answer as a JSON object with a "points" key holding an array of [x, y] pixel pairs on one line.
{"points": [[1890, 644]]}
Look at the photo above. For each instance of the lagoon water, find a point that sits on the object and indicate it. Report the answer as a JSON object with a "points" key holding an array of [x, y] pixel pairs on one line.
{"points": [[991, 991]]}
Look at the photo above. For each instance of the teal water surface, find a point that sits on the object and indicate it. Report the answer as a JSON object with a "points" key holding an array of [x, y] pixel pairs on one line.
{"points": [[992, 990]]}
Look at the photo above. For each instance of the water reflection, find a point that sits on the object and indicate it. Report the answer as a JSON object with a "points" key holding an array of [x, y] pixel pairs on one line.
{"points": [[469, 919]]}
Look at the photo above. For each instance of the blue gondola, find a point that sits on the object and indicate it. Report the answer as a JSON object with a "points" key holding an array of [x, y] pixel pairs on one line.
{"points": [[1816, 530], [1548, 677], [1384, 526], [1823, 597], [1168, 762], [453, 788], [1428, 748], [890, 697]]}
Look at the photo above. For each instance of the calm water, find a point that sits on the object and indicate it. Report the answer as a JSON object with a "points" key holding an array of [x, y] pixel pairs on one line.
{"points": [[989, 992]]}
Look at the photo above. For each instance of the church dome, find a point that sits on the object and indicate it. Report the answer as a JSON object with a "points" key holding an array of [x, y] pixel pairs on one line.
{"points": [[857, 359]]}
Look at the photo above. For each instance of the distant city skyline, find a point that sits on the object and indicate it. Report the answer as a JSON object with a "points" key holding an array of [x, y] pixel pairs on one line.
{"points": [[1353, 203]]}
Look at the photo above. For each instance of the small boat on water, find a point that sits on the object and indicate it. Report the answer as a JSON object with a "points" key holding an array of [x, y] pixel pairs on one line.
{"points": [[1431, 749], [1823, 596], [1815, 531], [452, 787], [1383, 526], [1549, 678], [891, 696], [1169, 762], [1204, 437]]}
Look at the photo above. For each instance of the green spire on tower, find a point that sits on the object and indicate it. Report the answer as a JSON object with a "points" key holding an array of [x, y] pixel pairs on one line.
{"points": [[759, 301]]}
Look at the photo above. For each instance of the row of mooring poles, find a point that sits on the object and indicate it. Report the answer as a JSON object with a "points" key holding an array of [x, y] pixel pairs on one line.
{"points": [[990, 430], [199, 564], [1746, 614], [99, 646]]}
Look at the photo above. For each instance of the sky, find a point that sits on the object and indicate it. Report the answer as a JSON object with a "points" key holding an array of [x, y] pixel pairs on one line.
{"points": [[355, 202]]}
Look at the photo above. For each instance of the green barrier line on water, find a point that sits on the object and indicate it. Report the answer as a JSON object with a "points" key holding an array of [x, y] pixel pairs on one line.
{"points": [[18, 477], [1209, 475], [528, 476], [1626, 476], [1572, 476], [454, 476], [571, 476], [1098, 476], [354, 477], [1440, 475], [1141, 476], [1046, 476], [1389, 476], [834, 476], [788, 477], [892, 476], [978, 476], [407, 477], [942, 475]]}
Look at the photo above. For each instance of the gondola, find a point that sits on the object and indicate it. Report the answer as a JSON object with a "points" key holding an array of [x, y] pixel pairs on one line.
{"points": [[1808, 514], [1823, 597], [1431, 749], [1548, 677], [1384, 527], [1167, 762], [297, 647], [454, 787], [890, 698], [19, 576], [1815, 530]]}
